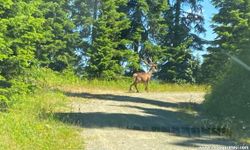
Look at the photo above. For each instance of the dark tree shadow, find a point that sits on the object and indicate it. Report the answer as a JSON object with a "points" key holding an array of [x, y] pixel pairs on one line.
{"points": [[195, 142], [157, 120], [112, 97]]}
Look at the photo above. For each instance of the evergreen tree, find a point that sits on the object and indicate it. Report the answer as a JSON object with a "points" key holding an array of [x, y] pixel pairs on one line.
{"points": [[146, 33], [21, 29], [84, 14], [108, 53], [181, 39], [147, 26], [229, 97], [58, 51], [231, 24]]}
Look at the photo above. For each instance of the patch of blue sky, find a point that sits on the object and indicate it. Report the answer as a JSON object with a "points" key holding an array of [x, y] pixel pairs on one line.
{"points": [[208, 12]]}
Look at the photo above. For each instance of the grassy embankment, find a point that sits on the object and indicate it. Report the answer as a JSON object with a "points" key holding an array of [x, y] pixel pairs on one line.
{"points": [[29, 123]]}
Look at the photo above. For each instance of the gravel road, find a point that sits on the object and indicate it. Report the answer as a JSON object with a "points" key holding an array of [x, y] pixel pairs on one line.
{"points": [[139, 121]]}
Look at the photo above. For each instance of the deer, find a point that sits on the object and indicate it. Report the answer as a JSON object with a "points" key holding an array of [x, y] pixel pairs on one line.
{"points": [[144, 77]]}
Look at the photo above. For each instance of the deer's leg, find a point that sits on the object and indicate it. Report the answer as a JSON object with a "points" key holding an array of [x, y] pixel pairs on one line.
{"points": [[146, 86], [133, 84], [136, 87], [130, 88]]}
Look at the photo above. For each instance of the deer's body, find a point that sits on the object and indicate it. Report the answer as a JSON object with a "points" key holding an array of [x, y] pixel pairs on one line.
{"points": [[143, 77]]}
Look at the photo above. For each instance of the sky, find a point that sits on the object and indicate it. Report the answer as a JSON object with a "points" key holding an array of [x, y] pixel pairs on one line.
{"points": [[208, 11]]}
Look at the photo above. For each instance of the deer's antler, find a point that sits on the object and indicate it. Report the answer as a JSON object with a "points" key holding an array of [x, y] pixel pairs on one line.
{"points": [[150, 59], [145, 61]]}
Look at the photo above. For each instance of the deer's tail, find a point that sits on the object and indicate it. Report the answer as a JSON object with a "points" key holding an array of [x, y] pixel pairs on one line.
{"points": [[135, 75]]}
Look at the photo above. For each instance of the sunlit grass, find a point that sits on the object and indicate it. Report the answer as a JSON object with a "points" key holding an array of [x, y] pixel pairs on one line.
{"points": [[245, 140], [30, 124], [154, 86], [68, 81]]}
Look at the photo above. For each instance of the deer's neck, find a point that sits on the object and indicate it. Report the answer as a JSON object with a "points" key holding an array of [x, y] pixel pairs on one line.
{"points": [[150, 72]]}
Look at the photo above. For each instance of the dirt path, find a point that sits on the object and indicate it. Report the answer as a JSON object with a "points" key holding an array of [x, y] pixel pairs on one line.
{"points": [[138, 121]]}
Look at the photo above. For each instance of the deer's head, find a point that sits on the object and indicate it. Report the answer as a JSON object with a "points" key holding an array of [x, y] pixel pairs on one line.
{"points": [[153, 66]]}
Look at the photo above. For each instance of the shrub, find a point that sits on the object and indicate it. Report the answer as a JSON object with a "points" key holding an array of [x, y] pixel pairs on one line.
{"points": [[230, 97]]}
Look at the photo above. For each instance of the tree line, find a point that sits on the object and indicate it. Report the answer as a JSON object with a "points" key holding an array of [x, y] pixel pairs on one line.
{"points": [[110, 38]]}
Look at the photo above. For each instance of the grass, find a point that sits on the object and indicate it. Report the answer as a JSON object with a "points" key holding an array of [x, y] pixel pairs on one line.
{"points": [[68, 80], [31, 125], [154, 86]]}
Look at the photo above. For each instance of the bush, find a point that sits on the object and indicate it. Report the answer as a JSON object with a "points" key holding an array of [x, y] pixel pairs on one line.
{"points": [[230, 97], [11, 94]]}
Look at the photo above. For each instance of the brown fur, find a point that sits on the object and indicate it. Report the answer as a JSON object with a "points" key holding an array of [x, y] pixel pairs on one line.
{"points": [[143, 77]]}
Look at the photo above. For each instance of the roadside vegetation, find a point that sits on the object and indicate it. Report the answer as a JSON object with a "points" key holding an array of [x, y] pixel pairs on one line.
{"points": [[68, 80], [228, 66], [228, 104], [27, 121], [123, 85]]}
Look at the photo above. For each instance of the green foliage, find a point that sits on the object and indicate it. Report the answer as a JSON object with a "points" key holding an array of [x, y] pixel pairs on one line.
{"points": [[115, 40], [108, 52], [11, 92], [45, 77], [20, 31], [230, 98], [35, 32], [105, 39], [179, 40], [231, 26], [27, 103], [232, 92], [28, 125], [181, 67], [146, 27], [67, 80], [57, 51]]}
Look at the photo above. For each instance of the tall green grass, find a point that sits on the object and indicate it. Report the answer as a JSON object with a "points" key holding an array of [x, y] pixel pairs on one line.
{"points": [[154, 86], [28, 121], [69, 80], [30, 124]]}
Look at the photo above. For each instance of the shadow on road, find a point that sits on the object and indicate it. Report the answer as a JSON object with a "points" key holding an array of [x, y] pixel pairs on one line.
{"points": [[132, 99], [155, 119]]}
